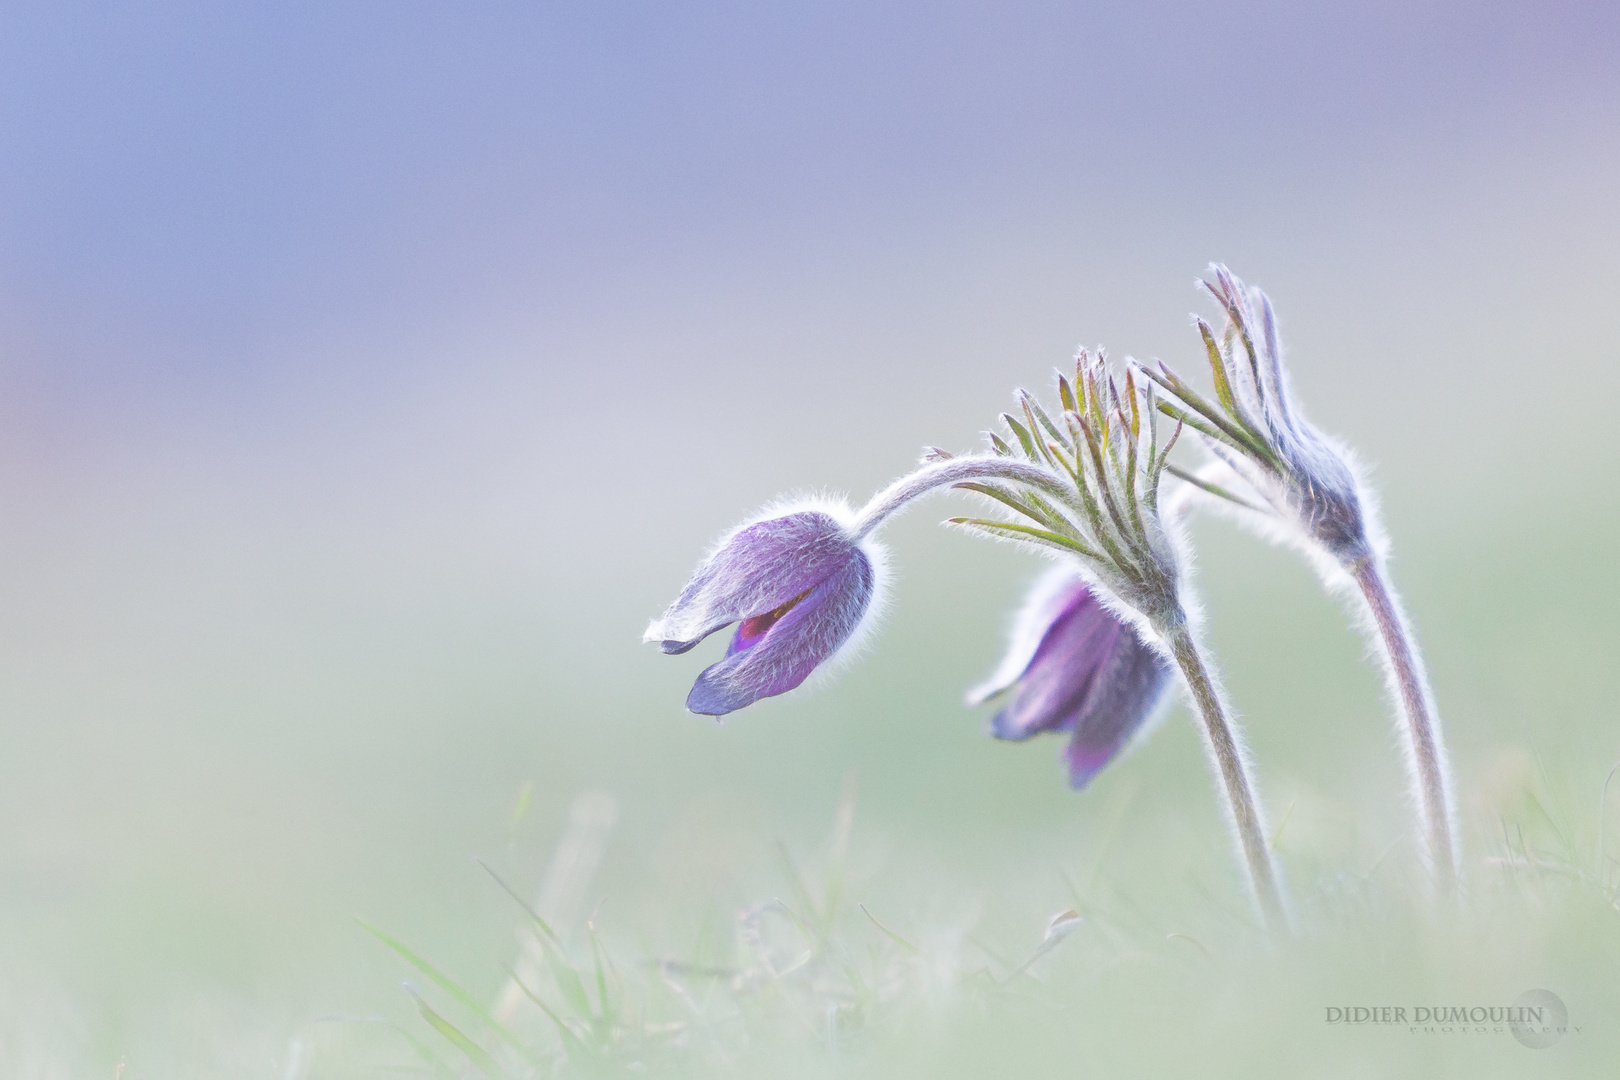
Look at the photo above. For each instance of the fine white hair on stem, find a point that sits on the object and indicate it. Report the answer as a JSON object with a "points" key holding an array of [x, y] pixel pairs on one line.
{"points": [[1100, 463], [1224, 744], [937, 474], [1319, 503], [1407, 681], [1377, 612]]}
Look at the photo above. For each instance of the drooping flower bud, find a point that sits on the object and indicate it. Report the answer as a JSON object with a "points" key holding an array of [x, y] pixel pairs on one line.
{"points": [[1074, 666], [797, 584]]}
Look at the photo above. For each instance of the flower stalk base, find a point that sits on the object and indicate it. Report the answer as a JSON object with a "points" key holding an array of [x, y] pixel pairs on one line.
{"points": [[1430, 784], [1228, 759]]}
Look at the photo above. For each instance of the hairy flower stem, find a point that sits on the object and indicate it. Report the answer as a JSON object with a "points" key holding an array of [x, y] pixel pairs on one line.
{"points": [[953, 471], [1224, 745], [1426, 762]]}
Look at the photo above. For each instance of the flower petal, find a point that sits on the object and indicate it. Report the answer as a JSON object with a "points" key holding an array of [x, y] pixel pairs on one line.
{"points": [[758, 567], [1087, 672], [1125, 697], [774, 656], [1049, 596], [1078, 641]]}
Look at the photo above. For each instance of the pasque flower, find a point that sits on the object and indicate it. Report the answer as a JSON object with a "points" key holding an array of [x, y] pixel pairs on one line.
{"points": [[1305, 480], [1299, 485], [1074, 666], [1084, 488], [1104, 514], [797, 584], [801, 583]]}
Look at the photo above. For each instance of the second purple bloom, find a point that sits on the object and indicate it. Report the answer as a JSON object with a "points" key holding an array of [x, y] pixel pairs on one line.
{"points": [[1074, 666]]}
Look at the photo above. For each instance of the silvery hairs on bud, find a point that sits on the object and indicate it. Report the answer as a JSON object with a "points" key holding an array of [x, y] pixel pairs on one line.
{"points": [[1278, 474], [1104, 517], [802, 590], [799, 582]]}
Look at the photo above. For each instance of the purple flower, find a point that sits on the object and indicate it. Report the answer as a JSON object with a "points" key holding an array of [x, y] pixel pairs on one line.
{"points": [[1075, 666], [798, 585]]}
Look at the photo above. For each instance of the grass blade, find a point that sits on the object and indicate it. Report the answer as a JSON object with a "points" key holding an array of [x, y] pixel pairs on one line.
{"points": [[451, 987], [476, 1054], [890, 934]]}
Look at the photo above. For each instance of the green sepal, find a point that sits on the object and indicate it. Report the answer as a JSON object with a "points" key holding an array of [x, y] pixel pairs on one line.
{"points": [[1012, 531], [1021, 433], [1214, 489]]}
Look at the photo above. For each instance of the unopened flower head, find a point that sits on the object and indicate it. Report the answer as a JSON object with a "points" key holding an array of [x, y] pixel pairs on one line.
{"points": [[1304, 487], [1105, 451], [797, 584], [1298, 475], [1074, 666]]}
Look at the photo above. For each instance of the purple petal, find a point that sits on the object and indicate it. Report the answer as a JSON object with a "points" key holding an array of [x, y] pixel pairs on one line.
{"points": [[759, 567], [1088, 673], [776, 650], [1053, 688], [1051, 594], [1124, 697]]}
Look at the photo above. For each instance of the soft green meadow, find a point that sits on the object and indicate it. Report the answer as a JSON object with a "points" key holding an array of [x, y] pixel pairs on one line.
{"points": [[812, 982], [858, 883], [414, 800]]}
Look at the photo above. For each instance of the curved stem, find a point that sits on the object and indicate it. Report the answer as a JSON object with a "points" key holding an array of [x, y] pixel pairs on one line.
{"points": [[1427, 765], [1228, 758], [954, 471]]}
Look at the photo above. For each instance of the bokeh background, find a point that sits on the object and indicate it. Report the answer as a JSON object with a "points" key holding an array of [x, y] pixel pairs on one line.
{"points": [[370, 374]]}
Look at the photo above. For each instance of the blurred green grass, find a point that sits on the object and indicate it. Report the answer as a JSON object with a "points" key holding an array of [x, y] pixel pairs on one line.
{"points": [[209, 920], [1166, 971], [976, 844], [259, 686]]}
